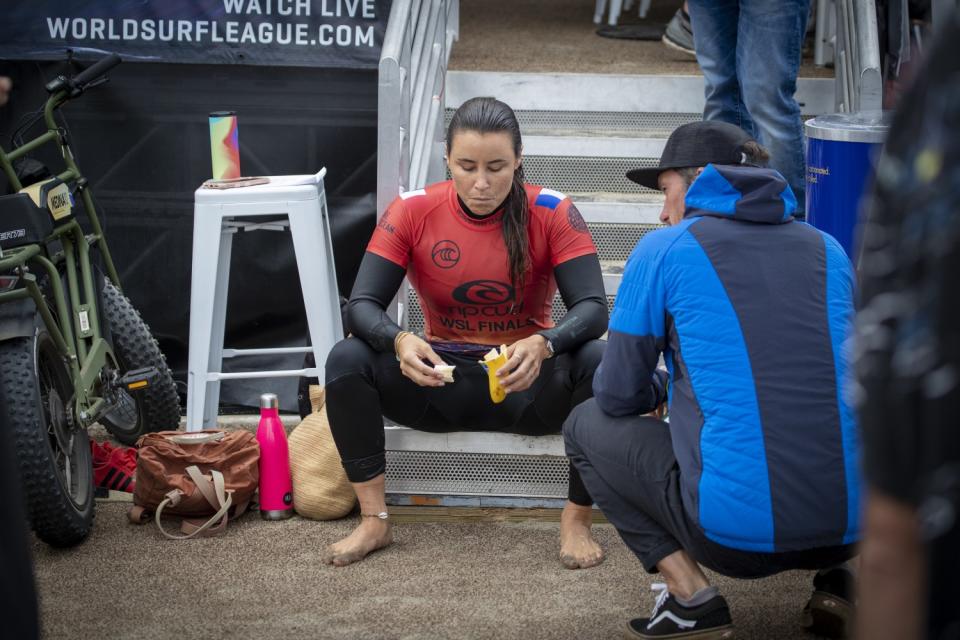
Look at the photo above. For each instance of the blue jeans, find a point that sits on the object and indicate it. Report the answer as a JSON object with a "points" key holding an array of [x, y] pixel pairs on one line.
{"points": [[749, 51]]}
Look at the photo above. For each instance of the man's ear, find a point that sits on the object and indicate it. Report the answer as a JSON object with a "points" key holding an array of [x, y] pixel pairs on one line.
{"points": [[700, 170]]}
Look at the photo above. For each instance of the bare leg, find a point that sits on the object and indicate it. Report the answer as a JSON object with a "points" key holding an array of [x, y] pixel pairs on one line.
{"points": [[371, 534], [578, 549], [892, 572], [682, 574]]}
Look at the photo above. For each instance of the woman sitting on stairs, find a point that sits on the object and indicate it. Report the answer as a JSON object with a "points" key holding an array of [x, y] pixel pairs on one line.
{"points": [[486, 253]]}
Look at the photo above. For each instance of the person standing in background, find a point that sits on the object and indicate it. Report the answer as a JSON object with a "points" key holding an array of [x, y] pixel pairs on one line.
{"points": [[749, 52]]}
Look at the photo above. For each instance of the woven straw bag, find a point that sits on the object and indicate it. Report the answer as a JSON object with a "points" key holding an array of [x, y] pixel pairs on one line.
{"points": [[320, 487]]}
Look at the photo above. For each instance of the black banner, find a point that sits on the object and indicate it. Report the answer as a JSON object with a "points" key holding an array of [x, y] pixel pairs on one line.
{"points": [[307, 33], [142, 141]]}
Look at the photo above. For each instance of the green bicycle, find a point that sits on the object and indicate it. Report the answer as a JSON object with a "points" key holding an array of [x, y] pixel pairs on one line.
{"points": [[73, 350]]}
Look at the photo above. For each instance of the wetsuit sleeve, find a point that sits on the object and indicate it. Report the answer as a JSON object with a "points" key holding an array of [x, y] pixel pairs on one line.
{"points": [[377, 282], [391, 237], [580, 283], [627, 381], [569, 236]]}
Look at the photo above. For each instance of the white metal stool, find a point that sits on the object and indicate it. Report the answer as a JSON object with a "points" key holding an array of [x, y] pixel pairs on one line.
{"points": [[218, 215]]}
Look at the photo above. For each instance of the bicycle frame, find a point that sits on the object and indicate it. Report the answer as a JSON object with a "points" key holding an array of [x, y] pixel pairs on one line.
{"points": [[77, 335]]}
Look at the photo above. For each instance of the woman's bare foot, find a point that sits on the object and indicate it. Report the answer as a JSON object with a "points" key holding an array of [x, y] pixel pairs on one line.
{"points": [[370, 535], [578, 549]]}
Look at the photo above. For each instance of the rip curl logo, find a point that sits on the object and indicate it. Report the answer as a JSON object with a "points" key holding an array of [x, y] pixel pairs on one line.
{"points": [[483, 292], [576, 220], [445, 254], [13, 235]]}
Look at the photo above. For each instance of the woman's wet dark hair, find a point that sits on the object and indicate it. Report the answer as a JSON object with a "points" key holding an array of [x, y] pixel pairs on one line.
{"points": [[489, 115]]}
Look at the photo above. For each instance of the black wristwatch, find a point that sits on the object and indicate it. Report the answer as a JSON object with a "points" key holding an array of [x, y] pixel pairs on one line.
{"points": [[549, 347]]}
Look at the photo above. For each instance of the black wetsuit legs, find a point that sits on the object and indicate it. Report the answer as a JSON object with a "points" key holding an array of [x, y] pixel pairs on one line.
{"points": [[364, 385]]}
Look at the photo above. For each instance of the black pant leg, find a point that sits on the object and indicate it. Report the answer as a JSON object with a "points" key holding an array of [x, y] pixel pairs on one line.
{"points": [[569, 381], [628, 466], [354, 375], [363, 385], [565, 381]]}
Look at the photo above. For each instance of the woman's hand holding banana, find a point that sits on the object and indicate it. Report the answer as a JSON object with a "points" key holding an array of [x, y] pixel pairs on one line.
{"points": [[412, 350], [524, 358]]}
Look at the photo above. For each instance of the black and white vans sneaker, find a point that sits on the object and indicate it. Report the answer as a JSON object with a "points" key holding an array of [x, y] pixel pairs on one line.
{"points": [[669, 619]]}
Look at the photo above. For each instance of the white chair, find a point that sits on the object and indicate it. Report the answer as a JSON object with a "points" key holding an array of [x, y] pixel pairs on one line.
{"points": [[297, 203]]}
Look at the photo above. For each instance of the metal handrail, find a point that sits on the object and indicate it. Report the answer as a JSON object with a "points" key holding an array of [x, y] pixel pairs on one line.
{"points": [[412, 73], [870, 77], [858, 75], [412, 76]]}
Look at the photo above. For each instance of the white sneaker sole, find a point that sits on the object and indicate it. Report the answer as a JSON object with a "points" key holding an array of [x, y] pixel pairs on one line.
{"points": [[676, 47]]}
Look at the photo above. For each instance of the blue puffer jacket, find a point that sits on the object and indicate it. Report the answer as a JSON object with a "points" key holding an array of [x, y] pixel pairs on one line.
{"points": [[751, 310]]}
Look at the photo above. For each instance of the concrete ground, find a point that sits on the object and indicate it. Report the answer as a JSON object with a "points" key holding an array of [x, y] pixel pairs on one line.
{"points": [[479, 578]]}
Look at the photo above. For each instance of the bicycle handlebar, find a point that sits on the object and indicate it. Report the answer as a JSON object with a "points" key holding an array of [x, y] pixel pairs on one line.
{"points": [[96, 70], [85, 78]]}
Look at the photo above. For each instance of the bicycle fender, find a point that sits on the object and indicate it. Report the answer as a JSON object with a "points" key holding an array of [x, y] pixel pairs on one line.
{"points": [[18, 319]]}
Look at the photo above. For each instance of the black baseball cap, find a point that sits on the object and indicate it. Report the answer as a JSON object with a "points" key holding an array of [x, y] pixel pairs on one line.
{"points": [[696, 144]]}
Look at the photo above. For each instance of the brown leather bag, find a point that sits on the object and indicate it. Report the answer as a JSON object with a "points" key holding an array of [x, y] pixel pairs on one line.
{"points": [[203, 476]]}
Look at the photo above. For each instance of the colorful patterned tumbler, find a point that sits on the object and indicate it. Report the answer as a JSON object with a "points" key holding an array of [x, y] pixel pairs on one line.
{"points": [[224, 145]]}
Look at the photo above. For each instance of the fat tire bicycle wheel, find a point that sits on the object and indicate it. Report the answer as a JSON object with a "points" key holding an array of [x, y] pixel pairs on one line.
{"points": [[54, 457], [155, 408]]}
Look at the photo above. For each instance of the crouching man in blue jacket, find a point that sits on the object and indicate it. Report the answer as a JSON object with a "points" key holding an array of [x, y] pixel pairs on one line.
{"points": [[756, 471]]}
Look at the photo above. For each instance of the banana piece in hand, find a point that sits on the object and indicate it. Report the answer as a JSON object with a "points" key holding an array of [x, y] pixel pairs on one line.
{"points": [[446, 370], [492, 362]]}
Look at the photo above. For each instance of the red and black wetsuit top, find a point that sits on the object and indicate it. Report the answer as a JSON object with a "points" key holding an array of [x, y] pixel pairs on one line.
{"points": [[457, 262]]}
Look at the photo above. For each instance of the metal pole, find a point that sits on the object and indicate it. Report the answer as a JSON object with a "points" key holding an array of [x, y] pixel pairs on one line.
{"points": [[869, 79], [390, 143], [819, 57]]}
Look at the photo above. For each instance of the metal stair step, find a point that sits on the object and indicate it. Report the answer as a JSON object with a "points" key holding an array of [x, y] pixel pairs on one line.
{"points": [[594, 94], [596, 123], [478, 467], [400, 438], [619, 208]]}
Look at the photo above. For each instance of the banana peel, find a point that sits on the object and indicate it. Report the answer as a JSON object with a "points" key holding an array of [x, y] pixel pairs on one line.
{"points": [[493, 362]]}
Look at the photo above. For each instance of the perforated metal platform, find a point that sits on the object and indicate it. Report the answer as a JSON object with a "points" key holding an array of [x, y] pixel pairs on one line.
{"points": [[615, 241], [572, 174], [471, 474]]}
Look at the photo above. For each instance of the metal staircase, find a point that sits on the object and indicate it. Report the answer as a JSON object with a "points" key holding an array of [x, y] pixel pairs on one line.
{"points": [[581, 133]]}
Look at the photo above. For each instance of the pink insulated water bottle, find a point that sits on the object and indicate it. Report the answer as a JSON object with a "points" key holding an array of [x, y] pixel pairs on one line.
{"points": [[276, 489]]}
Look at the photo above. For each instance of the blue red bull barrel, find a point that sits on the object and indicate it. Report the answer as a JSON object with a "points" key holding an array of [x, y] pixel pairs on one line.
{"points": [[841, 151]]}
